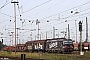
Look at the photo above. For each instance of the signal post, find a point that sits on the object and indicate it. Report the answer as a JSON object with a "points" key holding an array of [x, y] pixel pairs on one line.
{"points": [[80, 29]]}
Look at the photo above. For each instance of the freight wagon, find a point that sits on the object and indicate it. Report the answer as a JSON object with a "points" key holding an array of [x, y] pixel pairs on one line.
{"points": [[85, 46], [59, 45], [37, 45], [20, 47], [76, 44], [29, 46]]}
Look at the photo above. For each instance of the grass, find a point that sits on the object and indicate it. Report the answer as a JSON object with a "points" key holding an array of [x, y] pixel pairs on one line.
{"points": [[48, 56]]}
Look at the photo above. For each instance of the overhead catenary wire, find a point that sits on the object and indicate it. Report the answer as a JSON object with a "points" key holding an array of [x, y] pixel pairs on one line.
{"points": [[68, 16], [70, 20], [27, 10], [57, 13], [7, 15], [63, 11], [26, 2], [61, 18], [36, 6], [72, 16], [49, 7], [66, 10], [83, 15], [5, 4]]}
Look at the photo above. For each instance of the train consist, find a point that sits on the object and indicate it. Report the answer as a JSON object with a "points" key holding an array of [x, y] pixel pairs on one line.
{"points": [[50, 45], [58, 45]]}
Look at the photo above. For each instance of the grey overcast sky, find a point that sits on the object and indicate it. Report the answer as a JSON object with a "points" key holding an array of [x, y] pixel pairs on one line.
{"points": [[50, 13]]}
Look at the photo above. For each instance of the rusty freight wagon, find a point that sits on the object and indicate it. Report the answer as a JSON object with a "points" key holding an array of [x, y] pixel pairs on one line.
{"points": [[39, 45], [76, 46], [85, 46], [20, 47], [36, 45], [29, 46]]}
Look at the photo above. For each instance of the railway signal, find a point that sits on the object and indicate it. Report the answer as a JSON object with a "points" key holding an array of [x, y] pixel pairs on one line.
{"points": [[80, 29], [2, 41], [80, 26]]}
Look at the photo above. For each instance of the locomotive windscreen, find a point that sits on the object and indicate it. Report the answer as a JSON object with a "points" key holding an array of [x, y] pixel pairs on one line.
{"points": [[67, 42]]}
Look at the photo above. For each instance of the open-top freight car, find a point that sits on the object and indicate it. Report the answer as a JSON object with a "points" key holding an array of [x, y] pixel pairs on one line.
{"points": [[59, 45]]}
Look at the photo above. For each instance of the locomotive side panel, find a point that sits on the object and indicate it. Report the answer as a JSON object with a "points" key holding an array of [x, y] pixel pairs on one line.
{"points": [[54, 45]]}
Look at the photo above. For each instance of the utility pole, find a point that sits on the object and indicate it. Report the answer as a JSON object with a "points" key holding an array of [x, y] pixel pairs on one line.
{"points": [[35, 37], [76, 30], [31, 36], [86, 30], [12, 38], [53, 32], [37, 22], [15, 21], [65, 33], [17, 34], [68, 32], [40, 36], [46, 34]]}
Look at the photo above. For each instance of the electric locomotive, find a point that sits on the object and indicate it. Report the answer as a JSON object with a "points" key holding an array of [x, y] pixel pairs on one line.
{"points": [[59, 45]]}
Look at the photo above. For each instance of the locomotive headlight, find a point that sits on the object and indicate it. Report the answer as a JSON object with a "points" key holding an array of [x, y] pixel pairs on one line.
{"points": [[63, 46]]}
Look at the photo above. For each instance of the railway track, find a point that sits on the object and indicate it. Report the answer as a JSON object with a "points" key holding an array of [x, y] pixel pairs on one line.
{"points": [[16, 58]]}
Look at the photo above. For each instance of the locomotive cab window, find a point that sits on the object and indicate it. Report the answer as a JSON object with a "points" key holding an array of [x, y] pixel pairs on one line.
{"points": [[67, 42]]}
